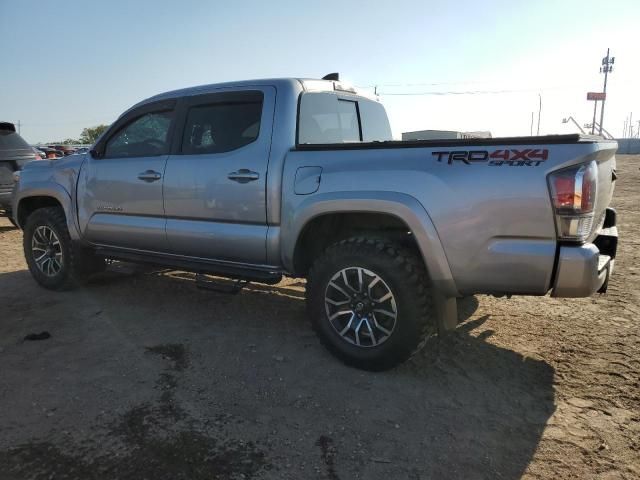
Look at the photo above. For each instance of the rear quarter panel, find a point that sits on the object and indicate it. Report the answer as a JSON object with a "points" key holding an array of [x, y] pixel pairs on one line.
{"points": [[495, 222]]}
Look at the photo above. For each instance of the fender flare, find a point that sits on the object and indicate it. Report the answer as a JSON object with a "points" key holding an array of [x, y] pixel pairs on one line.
{"points": [[55, 191], [403, 206]]}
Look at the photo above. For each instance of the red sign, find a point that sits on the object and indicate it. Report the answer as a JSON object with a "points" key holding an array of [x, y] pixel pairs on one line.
{"points": [[596, 96]]}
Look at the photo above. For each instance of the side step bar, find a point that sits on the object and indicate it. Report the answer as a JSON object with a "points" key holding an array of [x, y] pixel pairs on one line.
{"points": [[203, 283], [237, 272]]}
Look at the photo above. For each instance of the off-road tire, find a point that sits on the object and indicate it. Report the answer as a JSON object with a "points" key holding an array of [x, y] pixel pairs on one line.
{"points": [[404, 272], [78, 264]]}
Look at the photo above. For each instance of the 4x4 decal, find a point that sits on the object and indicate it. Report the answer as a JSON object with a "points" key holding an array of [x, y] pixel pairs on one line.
{"points": [[528, 157]]}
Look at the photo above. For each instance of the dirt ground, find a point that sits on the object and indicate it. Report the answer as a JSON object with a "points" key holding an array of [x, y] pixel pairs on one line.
{"points": [[145, 376]]}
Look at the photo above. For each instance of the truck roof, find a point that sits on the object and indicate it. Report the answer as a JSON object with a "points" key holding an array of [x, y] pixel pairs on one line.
{"points": [[305, 84], [212, 87]]}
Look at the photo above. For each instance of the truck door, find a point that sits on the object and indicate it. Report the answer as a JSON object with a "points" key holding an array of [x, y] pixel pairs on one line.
{"points": [[120, 186], [215, 179]]}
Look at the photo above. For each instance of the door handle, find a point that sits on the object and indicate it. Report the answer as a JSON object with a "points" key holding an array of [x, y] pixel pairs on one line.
{"points": [[243, 176], [150, 176]]}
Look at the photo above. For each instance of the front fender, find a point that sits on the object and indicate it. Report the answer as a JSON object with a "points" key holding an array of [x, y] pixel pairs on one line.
{"points": [[47, 189], [402, 206]]}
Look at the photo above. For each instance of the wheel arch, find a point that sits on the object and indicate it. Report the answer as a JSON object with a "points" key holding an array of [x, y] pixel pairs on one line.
{"points": [[319, 215], [40, 196]]}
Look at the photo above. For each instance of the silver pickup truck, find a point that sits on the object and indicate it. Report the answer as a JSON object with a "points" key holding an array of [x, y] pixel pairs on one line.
{"points": [[253, 180]]}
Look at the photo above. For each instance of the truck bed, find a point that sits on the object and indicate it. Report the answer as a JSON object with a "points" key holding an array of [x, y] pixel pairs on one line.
{"points": [[492, 213]]}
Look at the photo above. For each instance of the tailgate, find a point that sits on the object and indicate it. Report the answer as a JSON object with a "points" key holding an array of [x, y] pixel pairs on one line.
{"points": [[606, 183], [10, 161], [6, 172]]}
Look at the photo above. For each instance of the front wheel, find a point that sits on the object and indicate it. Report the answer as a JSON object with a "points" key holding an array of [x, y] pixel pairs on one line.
{"points": [[54, 262], [369, 302]]}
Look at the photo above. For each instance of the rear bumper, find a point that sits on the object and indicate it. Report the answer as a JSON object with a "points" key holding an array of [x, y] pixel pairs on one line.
{"points": [[585, 269], [6, 199], [6, 192]]}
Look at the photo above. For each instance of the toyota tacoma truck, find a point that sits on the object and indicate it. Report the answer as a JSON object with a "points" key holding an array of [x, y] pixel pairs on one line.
{"points": [[258, 179]]}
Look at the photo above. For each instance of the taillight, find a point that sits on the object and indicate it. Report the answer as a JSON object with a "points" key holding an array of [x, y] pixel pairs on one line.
{"points": [[573, 192]]}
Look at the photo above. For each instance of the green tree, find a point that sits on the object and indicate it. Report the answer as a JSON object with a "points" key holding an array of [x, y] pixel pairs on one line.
{"points": [[89, 135]]}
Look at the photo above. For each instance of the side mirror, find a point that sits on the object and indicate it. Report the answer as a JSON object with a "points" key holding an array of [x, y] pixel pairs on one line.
{"points": [[94, 153]]}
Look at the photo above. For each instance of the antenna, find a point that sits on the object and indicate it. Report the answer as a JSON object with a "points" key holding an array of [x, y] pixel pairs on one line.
{"points": [[332, 76]]}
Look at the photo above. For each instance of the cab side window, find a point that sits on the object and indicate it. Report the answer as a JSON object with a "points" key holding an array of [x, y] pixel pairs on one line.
{"points": [[146, 136], [222, 127]]}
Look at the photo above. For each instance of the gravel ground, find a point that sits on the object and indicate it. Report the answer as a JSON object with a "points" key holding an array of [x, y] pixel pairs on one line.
{"points": [[145, 376]]}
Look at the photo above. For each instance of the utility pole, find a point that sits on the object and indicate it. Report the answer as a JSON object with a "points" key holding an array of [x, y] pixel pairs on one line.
{"points": [[531, 129], [19, 127], [593, 124], [607, 66], [539, 112], [624, 128]]}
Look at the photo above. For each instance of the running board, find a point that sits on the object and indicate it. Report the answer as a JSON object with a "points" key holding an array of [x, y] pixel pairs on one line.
{"points": [[237, 272], [203, 283]]}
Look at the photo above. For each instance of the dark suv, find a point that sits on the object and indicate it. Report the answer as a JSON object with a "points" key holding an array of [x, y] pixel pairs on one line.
{"points": [[14, 153]]}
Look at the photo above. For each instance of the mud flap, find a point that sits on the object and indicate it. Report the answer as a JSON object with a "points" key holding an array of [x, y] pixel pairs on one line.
{"points": [[447, 313]]}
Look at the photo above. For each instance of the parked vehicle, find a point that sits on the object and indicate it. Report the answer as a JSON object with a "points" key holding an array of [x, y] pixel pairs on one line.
{"points": [[63, 149], [14, 153], [51, 154], [258, 179], [39, 153]]}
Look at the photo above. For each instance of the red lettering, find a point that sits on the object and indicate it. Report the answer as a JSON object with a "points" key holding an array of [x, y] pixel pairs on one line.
{"points": [[502, 154]]}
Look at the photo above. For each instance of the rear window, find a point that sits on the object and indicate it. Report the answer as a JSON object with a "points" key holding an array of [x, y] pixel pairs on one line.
{"points": [[12, 141], [375, 123], [326, 118]]}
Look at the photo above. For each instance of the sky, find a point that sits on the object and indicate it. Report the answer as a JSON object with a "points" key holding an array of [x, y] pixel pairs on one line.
{"points": [[70, 64]]}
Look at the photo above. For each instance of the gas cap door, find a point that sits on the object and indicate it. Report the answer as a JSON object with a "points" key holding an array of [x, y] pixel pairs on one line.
{"points": [[307, 180]]}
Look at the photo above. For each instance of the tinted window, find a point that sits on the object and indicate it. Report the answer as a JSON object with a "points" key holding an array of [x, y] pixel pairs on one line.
{"points": [[221, 127], [11, 141], [324, 118], [144, 137]]}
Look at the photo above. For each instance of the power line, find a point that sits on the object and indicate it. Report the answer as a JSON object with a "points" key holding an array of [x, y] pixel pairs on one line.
{"points": [[420, 84], [469, 92]]}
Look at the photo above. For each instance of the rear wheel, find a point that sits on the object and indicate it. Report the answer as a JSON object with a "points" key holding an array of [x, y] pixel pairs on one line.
{"points": [[369, 302], [53, 260]]}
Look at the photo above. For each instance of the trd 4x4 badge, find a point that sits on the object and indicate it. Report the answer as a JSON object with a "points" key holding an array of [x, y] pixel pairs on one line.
{"points": [[529, 157]]}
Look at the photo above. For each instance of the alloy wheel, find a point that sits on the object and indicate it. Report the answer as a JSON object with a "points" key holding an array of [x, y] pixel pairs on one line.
{"points": [[360, 306], [46, 250]]}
